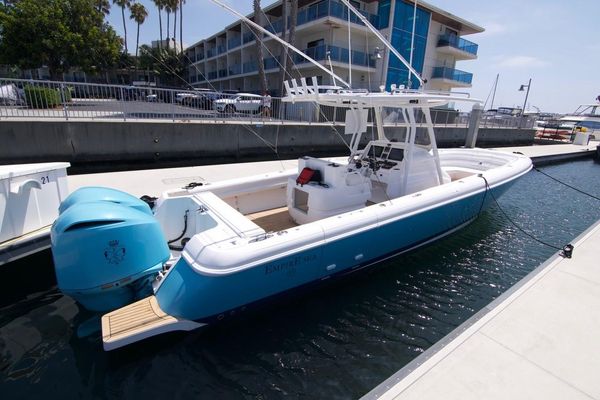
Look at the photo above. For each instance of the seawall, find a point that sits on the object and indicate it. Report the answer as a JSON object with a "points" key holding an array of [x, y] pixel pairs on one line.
{"points": [[117, 142]]}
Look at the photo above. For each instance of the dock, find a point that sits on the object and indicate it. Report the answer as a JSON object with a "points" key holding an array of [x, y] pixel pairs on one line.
{"points": [[539, 340], [544, 154]]}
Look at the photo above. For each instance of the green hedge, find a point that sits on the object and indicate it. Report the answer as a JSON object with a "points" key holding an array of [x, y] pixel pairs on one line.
{"points": [[43, 97]]}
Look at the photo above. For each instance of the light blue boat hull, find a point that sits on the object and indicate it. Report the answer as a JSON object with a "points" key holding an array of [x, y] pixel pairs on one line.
{"points": [[188, 294]]}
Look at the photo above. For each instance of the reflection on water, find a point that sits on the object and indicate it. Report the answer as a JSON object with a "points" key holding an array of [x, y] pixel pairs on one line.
{"points": [[335, 342]]}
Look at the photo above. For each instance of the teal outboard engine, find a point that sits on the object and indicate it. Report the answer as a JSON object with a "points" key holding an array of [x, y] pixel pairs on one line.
{"points": [[107, 248]]}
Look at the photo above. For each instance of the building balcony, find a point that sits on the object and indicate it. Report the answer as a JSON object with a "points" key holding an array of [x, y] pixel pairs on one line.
{"points": [[250, 66], [223, 73], [452, 77], [235, 69], [325, 8], [458, 47], [212, 75], [234, 42], [337, 54], [248, 37], [332, 8]]}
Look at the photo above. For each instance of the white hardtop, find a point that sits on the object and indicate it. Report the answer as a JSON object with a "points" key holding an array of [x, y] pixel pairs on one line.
{"points": [[16, 170], [301, 90]]}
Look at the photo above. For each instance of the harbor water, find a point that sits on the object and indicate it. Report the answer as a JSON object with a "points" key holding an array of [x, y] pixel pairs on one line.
{"points": [[336, 342]]}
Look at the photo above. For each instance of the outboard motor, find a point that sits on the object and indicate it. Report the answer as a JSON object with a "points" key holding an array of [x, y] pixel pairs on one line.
{"points": [[107, 248]]}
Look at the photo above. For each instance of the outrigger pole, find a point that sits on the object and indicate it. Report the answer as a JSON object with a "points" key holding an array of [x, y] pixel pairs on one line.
{"points": [[284, 43], [383, 40]]}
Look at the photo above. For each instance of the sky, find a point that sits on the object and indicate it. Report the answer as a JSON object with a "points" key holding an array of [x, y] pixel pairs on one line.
{"points": [[554, 42]]}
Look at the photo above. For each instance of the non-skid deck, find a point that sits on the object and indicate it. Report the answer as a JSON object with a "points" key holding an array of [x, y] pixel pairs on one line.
{"points": [[138, 321], [275, 220]]}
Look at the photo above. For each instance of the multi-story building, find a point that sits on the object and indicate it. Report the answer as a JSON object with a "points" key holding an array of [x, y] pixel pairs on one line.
{"points": [[228, 59]]}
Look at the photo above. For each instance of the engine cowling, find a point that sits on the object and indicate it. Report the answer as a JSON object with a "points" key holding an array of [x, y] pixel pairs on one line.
{"points": [[105, 252]]}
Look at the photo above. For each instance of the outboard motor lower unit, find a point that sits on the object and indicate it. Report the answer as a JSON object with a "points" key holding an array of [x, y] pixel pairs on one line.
{"points": [[107, 248]]}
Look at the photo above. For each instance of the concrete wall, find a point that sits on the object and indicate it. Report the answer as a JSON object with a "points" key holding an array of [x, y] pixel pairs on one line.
{"points": [[85, 142]]}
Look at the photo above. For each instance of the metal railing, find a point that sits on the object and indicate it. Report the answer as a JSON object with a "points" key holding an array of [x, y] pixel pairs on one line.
{"points": [[452, 74], [458, 43], [30, 99]]}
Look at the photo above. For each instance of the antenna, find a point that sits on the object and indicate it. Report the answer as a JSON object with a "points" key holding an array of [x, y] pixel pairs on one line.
{"points": [[412, 43], [383, 40], [349, 53], [284, 43]]}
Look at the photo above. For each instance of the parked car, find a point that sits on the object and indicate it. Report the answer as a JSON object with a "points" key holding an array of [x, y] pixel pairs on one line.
{"points": [[183, 96], [202, 100], [242, 102]]}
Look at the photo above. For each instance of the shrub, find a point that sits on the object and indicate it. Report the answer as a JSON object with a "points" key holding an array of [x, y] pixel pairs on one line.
{"points": [[42, 97]]}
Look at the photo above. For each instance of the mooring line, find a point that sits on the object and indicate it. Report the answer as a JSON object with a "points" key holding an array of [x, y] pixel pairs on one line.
{"points": [[566, 250]]}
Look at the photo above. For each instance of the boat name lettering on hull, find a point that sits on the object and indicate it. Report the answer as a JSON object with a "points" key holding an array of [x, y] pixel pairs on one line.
{"points": [[289, 266]]}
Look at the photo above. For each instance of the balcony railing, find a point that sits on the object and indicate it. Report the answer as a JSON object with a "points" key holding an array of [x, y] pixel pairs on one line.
{"points": [[271, 63], [212, 75], [248, 37], [250, 66], [234, 42], [338, 54], [221, 49], [235, 69], [452, 74], [222, 73], [211, 52], [458, 43], [332, 8], [326, 8]]}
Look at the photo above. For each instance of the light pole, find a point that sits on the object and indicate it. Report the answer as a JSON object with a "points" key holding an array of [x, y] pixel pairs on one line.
{"points": [[522, 88]]}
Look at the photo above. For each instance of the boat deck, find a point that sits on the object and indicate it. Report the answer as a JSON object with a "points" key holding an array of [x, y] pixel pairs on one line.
{"points": [[274, 220], [138, 321]]}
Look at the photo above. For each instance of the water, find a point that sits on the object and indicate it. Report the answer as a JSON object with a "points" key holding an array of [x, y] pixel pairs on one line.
{"points": [[337, 342]]}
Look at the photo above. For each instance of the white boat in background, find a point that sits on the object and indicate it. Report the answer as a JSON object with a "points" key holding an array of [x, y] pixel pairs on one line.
{"points": [[586, 119], [208, 253]]}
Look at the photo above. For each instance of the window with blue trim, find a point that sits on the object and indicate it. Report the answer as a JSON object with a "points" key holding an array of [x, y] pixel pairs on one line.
{"points": [[401, 40], [383, 12]]}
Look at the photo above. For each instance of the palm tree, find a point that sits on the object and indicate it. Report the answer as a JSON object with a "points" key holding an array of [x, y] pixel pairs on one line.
{"points": [[103, 6], [292, 31], [181, 24], [138, 14], [172, 7], [284, 49], [167, 7], [160, 4], [123, 4], [262, 78]]}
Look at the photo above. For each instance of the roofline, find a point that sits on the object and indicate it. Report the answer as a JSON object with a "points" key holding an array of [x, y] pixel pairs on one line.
{"points": [[465, 27]]}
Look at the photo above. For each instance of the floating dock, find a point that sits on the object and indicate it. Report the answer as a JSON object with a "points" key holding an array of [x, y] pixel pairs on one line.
{"points": [[539, 340], [544, 154]]}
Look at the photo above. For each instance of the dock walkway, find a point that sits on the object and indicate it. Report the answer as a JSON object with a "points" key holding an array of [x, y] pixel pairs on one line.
{"points": [[539, 340]]}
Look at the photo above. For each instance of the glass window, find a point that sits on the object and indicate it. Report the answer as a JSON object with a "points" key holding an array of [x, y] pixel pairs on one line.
{"points": [[401, 40], [384, 14], [375, 151], [396, 155]]}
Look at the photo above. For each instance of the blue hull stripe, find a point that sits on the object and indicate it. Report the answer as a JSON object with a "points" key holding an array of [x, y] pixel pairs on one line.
{"points": [[187, 294]]}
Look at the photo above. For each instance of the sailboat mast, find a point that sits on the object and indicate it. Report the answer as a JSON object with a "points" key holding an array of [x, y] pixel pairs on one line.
{"points": [[494, 93]]}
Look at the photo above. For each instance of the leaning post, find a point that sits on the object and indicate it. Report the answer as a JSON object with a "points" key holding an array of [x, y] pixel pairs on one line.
{"points": [[473, 128]]}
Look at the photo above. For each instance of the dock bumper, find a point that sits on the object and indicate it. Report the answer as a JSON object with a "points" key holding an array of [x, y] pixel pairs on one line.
{"points": [[138, 321]]}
